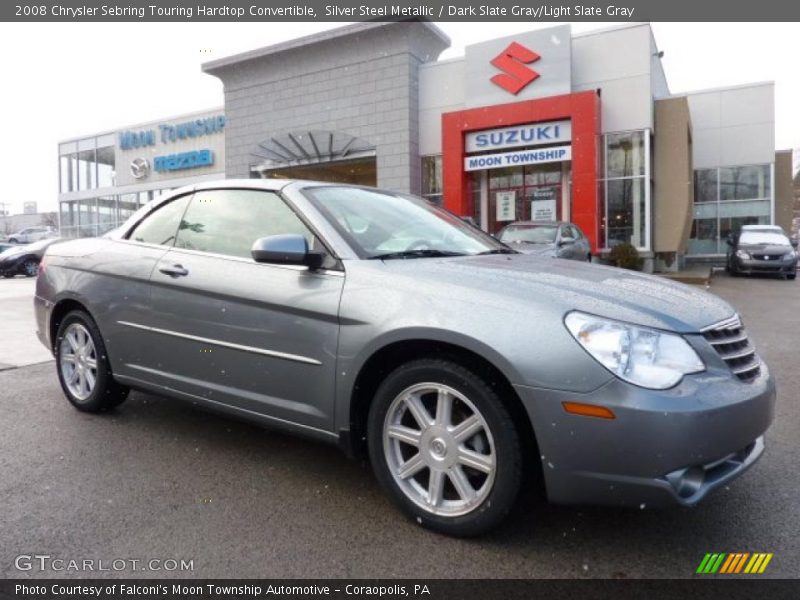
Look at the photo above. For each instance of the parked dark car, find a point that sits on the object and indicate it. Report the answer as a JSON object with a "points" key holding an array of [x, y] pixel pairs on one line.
{"points": [[24, 260], [547, 238], [762, 249], [381, 323]]}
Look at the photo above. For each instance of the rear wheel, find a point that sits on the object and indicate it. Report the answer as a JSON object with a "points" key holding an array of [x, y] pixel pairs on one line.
{"points": [[791, 276], [444, 447], [83, 366]]}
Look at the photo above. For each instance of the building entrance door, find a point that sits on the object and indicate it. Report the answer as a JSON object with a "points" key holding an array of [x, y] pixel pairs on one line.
{"points": [[529, 193]]}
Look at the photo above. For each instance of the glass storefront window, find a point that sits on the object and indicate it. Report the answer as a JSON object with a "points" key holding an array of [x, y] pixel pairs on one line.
{"points": [[626, 208], [432, 178], [87, 170], [705, 185], [725, 199], [744, 183], [505, 178], [65, 174], [105, 167], [532, 192], [546, 174], [626, 189], [87, 217], [625, 154], [106, 214], [127, 205]]}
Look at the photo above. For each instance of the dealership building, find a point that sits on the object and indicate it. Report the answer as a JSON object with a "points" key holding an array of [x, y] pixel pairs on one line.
{"points": [[540, 125]]}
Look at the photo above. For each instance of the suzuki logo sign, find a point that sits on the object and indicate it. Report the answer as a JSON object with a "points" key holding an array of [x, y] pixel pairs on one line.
{"points": [[512, 62]]}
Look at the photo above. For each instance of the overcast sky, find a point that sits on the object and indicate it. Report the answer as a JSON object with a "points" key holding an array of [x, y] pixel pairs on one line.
{"points": [[67, 80]]}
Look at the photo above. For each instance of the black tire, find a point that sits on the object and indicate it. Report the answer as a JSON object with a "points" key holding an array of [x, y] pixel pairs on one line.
{"points": [[8, 275], [13, 241], [508, 458], [30, 268], [791, 276], [589, 257], [107, 392]]}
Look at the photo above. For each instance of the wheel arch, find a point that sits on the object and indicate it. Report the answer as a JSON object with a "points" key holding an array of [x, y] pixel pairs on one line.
{"points": [[61, 309], [392, 354]]}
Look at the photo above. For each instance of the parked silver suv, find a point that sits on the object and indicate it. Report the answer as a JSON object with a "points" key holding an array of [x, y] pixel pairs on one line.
{"points": [[385, 325], [32, 234]]}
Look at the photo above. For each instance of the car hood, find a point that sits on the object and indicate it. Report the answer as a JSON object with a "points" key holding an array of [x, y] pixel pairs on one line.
{"points": [[620, 294], [13, 253]]}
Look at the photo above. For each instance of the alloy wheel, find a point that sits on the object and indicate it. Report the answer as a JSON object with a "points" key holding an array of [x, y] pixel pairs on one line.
{"points": [[78, 361], [439, 449]]}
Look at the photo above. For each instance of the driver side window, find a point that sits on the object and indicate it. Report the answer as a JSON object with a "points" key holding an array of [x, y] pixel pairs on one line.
{"points": [[229, 222]]}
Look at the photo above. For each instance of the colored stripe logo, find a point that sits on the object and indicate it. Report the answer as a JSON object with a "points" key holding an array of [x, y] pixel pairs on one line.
{"points": [[734, 563]]}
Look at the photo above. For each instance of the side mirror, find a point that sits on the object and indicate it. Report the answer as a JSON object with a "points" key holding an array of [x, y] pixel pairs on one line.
{"points": [[729, 240], [794, 243], [285, 249]]}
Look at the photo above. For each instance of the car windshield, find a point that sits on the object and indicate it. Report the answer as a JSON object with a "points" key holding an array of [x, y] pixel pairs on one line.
{"points": [[764, 237], [531, 234], [384, 225]]}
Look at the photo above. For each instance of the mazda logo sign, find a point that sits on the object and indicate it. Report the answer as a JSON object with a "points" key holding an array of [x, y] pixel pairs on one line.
{"points": [[140, 168]]}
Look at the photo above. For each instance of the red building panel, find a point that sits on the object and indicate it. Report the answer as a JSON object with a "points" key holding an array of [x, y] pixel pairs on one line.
{"points": [[582, 108]]}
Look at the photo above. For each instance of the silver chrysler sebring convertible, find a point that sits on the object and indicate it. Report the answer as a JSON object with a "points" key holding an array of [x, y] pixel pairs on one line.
{"points": [[381, 323]]}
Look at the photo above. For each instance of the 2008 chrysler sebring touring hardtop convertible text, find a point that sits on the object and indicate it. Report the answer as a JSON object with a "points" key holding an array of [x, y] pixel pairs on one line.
{"points": [[379, 322]]}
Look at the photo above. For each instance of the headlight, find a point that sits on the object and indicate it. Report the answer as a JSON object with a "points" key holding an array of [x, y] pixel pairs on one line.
{"points": [[743, 255], [646, 357]]}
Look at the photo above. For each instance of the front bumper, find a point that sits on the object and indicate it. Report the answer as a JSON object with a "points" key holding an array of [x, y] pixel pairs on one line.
{"points": [[663, 448], [765, 266]]}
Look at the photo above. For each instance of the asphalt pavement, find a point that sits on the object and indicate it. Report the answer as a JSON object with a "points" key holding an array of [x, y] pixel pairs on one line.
{"points": [[159, 479]]}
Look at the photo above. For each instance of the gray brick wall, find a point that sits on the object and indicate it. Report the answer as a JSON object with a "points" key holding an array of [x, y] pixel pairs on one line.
{"points": [[364, 84]]}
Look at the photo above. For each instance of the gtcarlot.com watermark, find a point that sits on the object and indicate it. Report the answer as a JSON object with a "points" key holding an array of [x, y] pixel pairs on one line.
{"points": [[48, 563]]}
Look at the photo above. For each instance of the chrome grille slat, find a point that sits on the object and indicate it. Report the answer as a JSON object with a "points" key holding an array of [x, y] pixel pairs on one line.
{"points": [[747, 369], [729, 339], [749, 351], [742, 337]]}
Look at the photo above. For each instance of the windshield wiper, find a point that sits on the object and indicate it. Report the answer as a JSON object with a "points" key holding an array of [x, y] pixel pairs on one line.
{"points": [[499, 251], [422, 253]]}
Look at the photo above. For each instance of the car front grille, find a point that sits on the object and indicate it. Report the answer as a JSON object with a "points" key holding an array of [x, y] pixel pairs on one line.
{"points": [[768, 256], [729, 339]]}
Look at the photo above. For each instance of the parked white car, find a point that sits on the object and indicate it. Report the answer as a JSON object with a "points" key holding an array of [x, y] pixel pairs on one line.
{"points": [[32, 234]]}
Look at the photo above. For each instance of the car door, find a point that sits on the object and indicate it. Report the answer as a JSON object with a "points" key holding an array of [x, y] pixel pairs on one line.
{"points": [[255, 336], [121, 292], [582, 247], [566, 243]]}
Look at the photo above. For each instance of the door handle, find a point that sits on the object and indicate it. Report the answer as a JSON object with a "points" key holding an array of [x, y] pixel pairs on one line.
{"points": [[174, 271]]}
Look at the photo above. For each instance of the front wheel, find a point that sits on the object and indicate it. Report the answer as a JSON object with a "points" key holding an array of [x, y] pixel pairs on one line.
{"points": [[444, 447], [30, 268], [83, 367]]}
